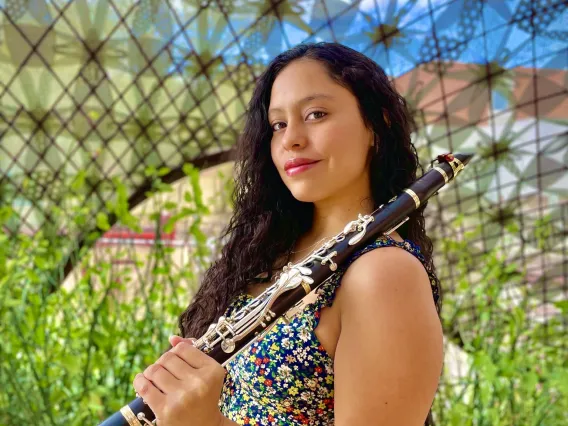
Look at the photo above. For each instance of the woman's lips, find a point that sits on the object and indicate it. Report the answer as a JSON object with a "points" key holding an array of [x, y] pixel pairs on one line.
{"points": [[299, 169]]}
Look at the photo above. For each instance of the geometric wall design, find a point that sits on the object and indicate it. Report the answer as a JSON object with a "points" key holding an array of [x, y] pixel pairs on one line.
{"points": [[105, 89]]}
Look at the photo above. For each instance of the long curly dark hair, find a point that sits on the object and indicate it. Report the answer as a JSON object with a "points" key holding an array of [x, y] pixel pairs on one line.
{"points": [[267, 219]]}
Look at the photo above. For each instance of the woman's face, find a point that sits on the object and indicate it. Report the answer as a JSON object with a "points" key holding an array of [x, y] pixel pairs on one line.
{"points": [[320, 144]]}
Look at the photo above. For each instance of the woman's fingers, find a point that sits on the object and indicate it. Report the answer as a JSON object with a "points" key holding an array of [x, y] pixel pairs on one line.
{"points": [[191, 355], [175, 365], [161, 378], [148, 392], [184, 383], [174, 340]]}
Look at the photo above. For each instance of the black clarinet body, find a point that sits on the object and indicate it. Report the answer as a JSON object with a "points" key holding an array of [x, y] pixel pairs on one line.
{"points": [[229, 336]]}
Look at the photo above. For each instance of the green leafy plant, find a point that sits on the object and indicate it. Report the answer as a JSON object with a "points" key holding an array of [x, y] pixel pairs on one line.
{"points": [[68, 357], [514, 369]]}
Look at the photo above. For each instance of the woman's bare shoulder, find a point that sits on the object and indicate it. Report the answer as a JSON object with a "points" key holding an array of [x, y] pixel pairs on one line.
{"points": [[388, 274]]}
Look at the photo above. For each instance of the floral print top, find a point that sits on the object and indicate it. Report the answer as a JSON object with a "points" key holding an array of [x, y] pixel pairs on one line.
{"points": [[286, 378]]}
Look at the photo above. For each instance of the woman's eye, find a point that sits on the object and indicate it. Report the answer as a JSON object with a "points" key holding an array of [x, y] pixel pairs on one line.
{"points": [[275, 126], [317, 113]]}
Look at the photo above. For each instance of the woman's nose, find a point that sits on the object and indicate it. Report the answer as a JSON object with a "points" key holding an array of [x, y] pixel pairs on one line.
{"points": [[295, 137]]}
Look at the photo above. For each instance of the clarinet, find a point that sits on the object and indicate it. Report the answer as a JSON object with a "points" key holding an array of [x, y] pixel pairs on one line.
{"points": [[229, 336]]}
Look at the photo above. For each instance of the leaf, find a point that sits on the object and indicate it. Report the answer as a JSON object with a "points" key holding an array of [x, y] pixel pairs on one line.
{"points": [[197, 233], [78, 181], [170, 205], [188, 169], [102, 221], [150, 171], [162, 171], [562, 305], [73, 364], [171, 222]]}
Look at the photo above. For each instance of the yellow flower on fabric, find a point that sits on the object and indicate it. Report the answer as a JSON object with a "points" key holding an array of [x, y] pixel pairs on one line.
{"points": [[274, 347], [329, 380], [298, 383], [293, 390]]}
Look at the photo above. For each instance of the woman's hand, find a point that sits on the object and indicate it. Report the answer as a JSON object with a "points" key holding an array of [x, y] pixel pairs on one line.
{"points": [[183, 387]]}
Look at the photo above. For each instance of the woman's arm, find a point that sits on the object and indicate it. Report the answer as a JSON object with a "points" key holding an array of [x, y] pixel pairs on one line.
{"points": [[389, 354]]}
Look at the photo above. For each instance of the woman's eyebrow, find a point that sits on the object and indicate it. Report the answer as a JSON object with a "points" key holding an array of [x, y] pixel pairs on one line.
{"points": [[304, 100]]}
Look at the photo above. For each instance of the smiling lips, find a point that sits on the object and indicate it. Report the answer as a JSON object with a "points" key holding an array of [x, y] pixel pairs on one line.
{"points": [[298, 165]]}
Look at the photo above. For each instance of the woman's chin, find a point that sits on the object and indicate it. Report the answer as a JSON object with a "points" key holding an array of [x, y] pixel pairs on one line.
{"points": [[306, 195], [305, 199]]}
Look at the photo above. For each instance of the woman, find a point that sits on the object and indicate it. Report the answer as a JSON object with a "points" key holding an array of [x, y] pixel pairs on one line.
{"points": [[326, 138]]}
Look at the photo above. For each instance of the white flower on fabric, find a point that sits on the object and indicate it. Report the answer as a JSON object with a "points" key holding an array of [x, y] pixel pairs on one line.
{"points": [[304, 335], [285, 373]]}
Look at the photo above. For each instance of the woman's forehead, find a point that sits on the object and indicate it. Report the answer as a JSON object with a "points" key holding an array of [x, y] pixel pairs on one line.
{"points": [[304, 81], [302, 72]]}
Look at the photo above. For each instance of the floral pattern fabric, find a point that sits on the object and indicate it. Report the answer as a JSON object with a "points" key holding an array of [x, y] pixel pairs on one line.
{"points": [[287, 377]]}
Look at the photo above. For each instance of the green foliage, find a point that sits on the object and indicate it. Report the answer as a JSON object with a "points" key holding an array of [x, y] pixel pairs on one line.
{"points": [[515, 370], [69, 354], [68, 357]]}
